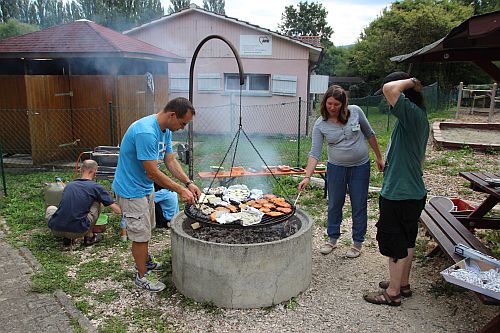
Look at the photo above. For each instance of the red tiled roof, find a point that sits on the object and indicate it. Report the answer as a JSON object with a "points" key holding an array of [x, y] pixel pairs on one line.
{"points": [[312, 40], [81, 38]]}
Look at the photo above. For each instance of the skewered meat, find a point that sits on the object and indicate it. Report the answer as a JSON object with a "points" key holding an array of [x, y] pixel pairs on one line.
{"points": [[283, 204], [274, 213], [285, 210]]}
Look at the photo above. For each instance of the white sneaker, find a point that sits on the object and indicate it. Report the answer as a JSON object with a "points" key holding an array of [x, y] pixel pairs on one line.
{"points": [[327, 248], [149, 282]]}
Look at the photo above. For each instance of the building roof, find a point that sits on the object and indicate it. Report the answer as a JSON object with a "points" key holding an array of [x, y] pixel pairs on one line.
{"points": [[477, 39], [314, 50], [81, 39], [312, 40]]}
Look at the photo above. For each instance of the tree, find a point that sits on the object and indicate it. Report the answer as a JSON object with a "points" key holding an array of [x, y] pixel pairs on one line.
{"points": [[178, 5], [481, 6], [216, 6], [405, 27], [14, 28], [308, 19], [335, 62]]}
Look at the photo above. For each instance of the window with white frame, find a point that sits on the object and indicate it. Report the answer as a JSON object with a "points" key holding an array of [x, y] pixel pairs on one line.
{"points": [[258, 83]]}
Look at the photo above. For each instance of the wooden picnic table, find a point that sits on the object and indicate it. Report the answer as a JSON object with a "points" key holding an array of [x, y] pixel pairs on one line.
{"points": [[477, 218]]}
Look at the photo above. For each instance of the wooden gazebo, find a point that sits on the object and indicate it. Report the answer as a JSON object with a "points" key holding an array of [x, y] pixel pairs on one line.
{"points": [[475, 40], [79, 85]]}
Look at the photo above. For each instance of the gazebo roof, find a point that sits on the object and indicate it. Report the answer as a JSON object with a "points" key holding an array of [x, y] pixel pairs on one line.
{"points": [[81, 39], [476, 39]]}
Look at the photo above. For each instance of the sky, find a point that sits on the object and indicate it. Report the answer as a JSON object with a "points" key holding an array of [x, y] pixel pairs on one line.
{"points": [[347, 18]]}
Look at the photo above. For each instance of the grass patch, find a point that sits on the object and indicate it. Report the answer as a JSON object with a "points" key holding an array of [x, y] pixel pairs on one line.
{"points": [[114, 325], [107, 296]]}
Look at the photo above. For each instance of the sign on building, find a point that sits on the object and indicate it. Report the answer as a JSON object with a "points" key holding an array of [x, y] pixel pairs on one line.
{"points": [[252, 45]]}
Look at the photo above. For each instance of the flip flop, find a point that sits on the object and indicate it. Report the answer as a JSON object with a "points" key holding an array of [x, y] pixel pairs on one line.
{"points": [[386, 299], [353, 252], [327, 248]]}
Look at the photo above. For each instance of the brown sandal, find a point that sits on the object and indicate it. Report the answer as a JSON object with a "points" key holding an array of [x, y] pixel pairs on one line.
{"points": [[404, 290], [382, 297]]}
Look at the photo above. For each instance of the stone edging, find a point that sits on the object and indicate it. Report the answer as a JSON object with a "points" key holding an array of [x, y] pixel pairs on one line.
{"points": [[63, 299]]}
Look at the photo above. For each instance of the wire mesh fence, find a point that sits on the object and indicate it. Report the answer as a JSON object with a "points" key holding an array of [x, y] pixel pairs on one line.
{"points": [[226, 135]]}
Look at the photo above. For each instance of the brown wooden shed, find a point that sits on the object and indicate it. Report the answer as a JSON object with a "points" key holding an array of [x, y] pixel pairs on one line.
{"points": [[72, 87]]}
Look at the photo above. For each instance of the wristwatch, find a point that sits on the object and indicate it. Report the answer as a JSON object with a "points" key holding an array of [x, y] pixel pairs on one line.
{"points": [[189, 183], [414, 80]]}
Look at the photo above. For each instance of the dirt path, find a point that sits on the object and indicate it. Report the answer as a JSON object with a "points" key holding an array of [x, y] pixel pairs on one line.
{"points": [[334, 302]]}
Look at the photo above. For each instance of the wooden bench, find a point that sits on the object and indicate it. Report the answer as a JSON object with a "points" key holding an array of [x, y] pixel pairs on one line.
{"points": [[448, 231]]}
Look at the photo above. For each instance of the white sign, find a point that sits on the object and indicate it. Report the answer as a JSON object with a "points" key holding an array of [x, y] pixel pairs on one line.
{"points": [[260, 45], [318, 84]]}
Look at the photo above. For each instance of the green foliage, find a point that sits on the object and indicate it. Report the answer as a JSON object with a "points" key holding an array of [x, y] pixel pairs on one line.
{"points": [[308, 19], [406, 26], [178, 5], [481, 6], [15, 28], [121, 15], [118, 15], [335, 62], [216, 6]]}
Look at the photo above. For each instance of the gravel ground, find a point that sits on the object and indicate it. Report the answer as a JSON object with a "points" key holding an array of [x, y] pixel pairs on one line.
{"points": [[334, 300]]}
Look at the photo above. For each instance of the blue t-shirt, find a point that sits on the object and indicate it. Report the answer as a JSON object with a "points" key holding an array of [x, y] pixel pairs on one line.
{"points": [[143, 141], [77, 198]]}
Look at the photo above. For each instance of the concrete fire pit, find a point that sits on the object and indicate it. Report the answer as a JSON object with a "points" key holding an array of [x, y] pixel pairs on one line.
{"points": [[241, 275]]}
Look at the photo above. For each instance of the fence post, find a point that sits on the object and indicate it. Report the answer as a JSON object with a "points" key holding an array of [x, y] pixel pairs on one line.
{"points": [[367, 105], [3, 172], [459, 102], [298, 134], [111, 126], [492, 102]]}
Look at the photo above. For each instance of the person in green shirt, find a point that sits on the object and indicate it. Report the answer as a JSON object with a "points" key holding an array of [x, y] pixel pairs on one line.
{"points": [[403, 193]]}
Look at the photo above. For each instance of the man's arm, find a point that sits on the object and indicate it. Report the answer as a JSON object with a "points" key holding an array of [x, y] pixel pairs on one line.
{"points": [[392, 90], [115, 208], [176, 170], [163, 180]]}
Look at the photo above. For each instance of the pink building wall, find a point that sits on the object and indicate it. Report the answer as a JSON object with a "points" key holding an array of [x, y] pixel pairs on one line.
{"points": [[182, 32]]}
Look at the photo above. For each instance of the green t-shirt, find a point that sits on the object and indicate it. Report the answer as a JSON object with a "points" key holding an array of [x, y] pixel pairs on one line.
{"points": [[406, 152]]}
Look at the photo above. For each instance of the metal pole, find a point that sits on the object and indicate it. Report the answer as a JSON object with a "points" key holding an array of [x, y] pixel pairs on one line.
{"points": [[191, 73], [298, 133], [459, 102], [367, 105], [3, 172], [111, 126]]}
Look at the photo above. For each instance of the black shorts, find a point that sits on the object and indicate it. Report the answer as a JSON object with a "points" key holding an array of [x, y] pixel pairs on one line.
{"points": [[397, 226]]}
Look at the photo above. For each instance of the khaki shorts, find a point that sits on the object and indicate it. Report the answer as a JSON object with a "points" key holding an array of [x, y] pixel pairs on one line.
{"points": [[92, 216], [139, 214]]}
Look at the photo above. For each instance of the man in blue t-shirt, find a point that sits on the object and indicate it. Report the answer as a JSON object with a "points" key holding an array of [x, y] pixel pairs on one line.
{"points": [[403, 193], [145, 142], [80, 207]]}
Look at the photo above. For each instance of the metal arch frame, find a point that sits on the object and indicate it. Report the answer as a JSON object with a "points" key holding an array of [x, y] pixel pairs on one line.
{"points": [[191, 72]]}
